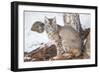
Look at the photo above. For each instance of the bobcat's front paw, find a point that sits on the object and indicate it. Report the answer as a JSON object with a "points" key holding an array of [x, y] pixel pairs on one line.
{"points": [[67, 55], [72, 53], [58, 57]]}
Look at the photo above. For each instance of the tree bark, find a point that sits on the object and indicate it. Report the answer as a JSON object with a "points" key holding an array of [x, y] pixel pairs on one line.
{"points": [[73, 20]]}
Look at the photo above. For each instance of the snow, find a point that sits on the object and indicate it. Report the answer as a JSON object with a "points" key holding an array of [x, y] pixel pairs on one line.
{"points": [[33, 40]]}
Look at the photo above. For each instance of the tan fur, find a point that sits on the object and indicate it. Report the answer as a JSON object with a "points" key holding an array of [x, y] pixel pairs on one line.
{"points": [[58, 57], [72, 53], [66, 38]]}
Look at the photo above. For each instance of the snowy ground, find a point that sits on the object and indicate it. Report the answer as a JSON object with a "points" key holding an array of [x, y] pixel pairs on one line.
{"points": [[34, 39]]}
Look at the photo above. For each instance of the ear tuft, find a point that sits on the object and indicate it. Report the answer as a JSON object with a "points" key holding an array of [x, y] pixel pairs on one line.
{"points": [[54, 19], [45, 19]]}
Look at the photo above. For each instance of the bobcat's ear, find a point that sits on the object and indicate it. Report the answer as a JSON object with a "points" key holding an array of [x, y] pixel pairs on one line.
{"points": [[45, 19], [54, 20]]}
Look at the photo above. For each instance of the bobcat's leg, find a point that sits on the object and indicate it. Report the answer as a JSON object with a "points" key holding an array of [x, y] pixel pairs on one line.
{"points": [[60, 50], [72, 53]]}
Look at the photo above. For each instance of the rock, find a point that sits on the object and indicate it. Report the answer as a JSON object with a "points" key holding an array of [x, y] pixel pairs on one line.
{"points": [[42, 53], [38, 26], [26, 57], [50, 52]]}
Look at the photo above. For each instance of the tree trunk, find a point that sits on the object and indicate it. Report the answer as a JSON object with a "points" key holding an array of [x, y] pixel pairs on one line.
{"points": [[73, 20]]}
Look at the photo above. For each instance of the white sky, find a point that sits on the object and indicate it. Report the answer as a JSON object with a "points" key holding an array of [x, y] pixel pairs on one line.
{"points": [[33, 39]]}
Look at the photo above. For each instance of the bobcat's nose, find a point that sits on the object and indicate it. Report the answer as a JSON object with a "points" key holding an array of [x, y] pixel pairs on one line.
{"points": [[50, 23]]}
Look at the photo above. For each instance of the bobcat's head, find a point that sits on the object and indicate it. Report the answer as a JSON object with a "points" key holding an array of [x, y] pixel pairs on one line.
{"points": [[50, 25]]}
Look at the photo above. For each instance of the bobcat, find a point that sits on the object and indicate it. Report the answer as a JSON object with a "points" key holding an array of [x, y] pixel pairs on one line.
{"points": [[66, 38]]}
